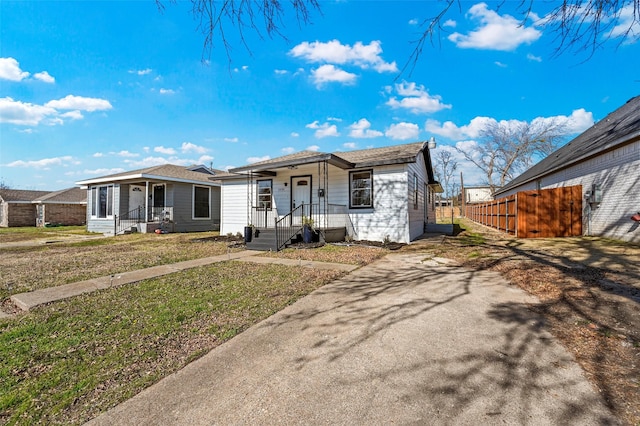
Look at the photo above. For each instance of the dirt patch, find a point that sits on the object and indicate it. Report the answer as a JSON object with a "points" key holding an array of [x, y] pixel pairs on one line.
{"points": [[589, 292]]}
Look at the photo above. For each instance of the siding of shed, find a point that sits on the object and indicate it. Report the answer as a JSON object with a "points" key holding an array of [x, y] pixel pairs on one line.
{"points": [[617, 172], [233, 207]]}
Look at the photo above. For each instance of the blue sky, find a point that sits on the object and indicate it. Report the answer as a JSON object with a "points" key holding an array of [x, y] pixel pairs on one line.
{"points": [[94, 88]]}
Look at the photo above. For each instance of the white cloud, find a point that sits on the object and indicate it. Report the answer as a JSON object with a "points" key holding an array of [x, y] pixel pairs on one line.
{"points": [[628, 24], [80, 103], [323, 130], [163, 150], [361, 129], [141, 72], [126, 154], [532, 57], [98, 155], [500, 64], [232, 140], [313, 148], [288, 150], [204, 159], [101, 172], [281, 72], [451, 131], [403, 131], [167, 91], [23, 113], [190, 147], [496, 32], [333, 52], [579, 121], [295, 134], [73, 115], [44, 163], [251, 160], [10, 70], [153, 161], [450, 23], [416, 99], [350, 145], [413, 21], [329, 74], [45, 77]]}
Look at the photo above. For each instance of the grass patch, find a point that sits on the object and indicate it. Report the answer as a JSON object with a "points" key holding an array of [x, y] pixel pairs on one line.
{"points": [[66, 362], [26, 233], [350, 254], [30, 268]]}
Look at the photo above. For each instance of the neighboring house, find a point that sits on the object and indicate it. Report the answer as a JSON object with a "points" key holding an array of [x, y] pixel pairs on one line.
{"points": [[173, 198], [40, 208], [605, 161], [374, 194], [16, 207], [65, 207], [477, 194]]}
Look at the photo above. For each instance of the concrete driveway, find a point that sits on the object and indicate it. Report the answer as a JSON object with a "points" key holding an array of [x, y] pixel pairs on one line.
{"points": [[400, 341]]}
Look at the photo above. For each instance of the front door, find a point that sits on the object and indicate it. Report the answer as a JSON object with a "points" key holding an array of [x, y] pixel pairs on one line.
{"points": [[136, 201], [301, 193]]}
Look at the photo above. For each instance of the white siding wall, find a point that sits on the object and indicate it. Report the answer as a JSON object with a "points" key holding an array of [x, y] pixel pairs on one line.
{"points": [[618, 173], [417, 213], [233, 207]]}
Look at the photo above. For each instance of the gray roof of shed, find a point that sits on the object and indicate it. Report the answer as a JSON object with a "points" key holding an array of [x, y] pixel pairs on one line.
{"points": [[620, 127], [168, 172]]}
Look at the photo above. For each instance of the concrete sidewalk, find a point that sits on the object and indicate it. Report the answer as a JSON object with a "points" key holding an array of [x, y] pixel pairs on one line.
{"points": [[26, 301], [399, 341]]}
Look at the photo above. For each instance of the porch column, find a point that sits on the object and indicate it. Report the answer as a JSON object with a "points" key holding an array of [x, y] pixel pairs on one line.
{"points": [[146, 202]]}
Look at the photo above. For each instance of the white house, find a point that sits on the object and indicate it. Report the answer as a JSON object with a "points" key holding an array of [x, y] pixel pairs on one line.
{"points": [[605, 161], [374, 194]]}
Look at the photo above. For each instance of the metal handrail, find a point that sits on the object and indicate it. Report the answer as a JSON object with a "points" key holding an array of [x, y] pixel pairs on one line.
{"points": [[289, 226], [127, 220]]}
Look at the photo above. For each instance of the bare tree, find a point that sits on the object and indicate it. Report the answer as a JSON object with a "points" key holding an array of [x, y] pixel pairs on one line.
{"points": [[266, 17], [446, 166], [507, 148], [577, 24]]}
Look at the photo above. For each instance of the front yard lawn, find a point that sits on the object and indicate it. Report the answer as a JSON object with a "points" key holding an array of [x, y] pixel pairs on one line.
{"points": [[66, 362]]}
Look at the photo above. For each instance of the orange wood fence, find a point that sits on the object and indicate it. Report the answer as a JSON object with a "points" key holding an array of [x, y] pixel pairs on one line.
{"points": [[544, 213]]}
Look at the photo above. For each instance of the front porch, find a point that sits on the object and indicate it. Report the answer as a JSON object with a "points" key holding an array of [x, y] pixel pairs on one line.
{"points": [[144, 220], [270, 231]]}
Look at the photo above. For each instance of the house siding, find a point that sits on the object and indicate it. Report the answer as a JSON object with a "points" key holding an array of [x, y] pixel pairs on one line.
{"points": [[104, 225], [180, 196], [417, 212], [233, 207], [616, 172]]}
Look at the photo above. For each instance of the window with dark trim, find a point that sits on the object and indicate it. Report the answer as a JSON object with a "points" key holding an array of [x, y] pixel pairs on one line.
{"points": [[265, 193], [102, 201], [415, 191], [361, 189], [201, 202]]}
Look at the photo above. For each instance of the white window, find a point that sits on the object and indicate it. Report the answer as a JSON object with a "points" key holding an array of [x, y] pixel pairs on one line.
{"points": [[361, 189], [264, 194], [201, 202], [102, 201]]}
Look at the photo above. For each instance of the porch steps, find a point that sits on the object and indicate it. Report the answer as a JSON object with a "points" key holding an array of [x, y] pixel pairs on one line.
{"points": [[266, 240]]}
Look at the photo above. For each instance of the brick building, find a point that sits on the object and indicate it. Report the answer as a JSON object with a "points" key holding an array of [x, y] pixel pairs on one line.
{"points": [[38, 208]]}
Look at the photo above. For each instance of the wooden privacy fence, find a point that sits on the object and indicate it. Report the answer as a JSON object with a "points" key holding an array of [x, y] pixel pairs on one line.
{"points": [[544, 213]]}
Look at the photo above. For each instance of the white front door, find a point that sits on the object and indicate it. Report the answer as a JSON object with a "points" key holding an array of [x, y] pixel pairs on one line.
{"points": [[301, 193], [136, 201]]}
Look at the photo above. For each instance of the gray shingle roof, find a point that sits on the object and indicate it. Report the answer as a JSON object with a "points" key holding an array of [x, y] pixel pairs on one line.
{"points": [[169, 172], [70, 195], [620, 127], [396, 154], [20, 195]]}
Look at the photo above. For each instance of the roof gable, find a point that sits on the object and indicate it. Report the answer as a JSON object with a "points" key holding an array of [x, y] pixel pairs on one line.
{"points": [[620, 127]]}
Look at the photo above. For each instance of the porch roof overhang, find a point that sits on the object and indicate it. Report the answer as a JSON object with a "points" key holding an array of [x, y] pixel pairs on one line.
{"points": [[268, 167], [137, 177]]}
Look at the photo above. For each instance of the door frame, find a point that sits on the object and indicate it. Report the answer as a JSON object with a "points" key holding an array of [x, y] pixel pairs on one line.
{"points": [[291, 179]]}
